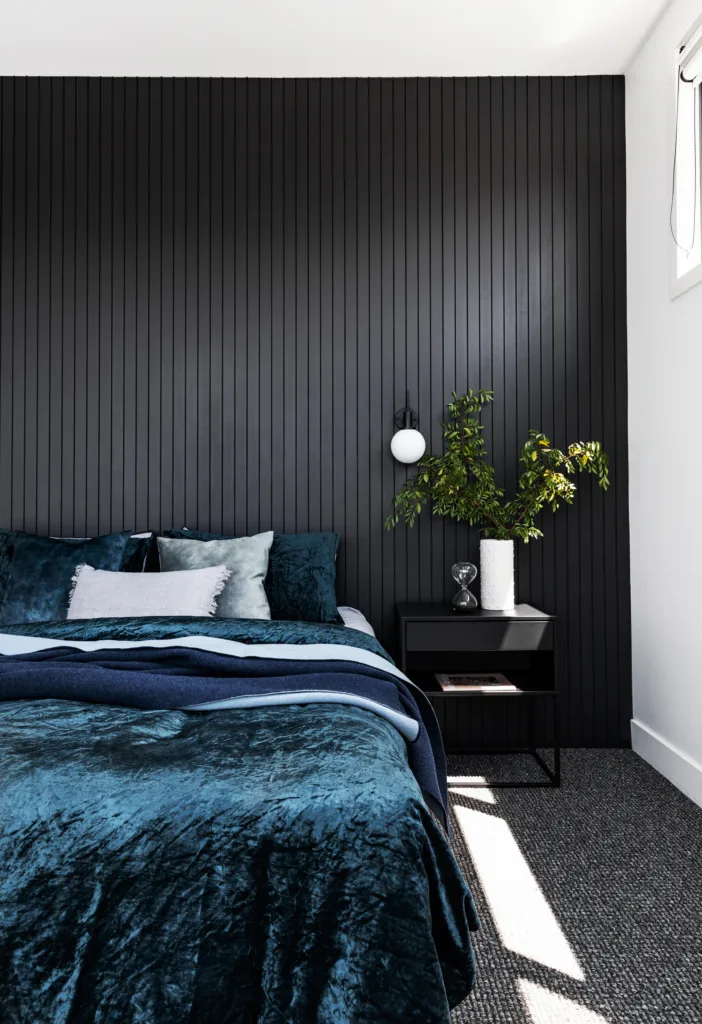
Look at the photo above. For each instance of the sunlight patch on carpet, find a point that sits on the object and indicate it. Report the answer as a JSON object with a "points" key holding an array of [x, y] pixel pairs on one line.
{"points": [[546, 1007], [523, 918], [471, 786]]}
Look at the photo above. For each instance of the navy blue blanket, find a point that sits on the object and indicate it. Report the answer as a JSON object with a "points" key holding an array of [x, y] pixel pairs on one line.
{"points": [[166, 678]]}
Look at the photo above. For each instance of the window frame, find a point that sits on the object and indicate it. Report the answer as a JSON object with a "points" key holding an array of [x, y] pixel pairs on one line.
{"points": [[679, 284]]}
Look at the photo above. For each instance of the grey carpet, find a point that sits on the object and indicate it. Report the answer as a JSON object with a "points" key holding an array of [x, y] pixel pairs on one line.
{"points": [[617, 854]]}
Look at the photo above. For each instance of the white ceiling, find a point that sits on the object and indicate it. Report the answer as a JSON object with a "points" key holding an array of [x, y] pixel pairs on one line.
{"points": [[311, 38]]}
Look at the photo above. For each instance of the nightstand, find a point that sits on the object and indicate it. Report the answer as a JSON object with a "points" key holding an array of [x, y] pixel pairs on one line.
{"points": [[519, 644]]}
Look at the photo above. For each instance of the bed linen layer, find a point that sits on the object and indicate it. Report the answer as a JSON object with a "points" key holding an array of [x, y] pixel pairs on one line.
{"points": [[248, 631], [150, 668], [259, 865]]}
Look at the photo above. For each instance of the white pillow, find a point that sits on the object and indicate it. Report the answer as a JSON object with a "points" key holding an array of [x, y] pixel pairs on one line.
{"points": [[355, 619], [99, 594]]}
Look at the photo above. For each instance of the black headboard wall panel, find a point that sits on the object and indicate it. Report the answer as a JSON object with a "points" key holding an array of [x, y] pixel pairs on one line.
{"points": [[213, 295]]}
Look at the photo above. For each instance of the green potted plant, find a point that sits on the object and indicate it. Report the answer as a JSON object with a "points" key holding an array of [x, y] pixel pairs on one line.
{"points": [[460, 483]]}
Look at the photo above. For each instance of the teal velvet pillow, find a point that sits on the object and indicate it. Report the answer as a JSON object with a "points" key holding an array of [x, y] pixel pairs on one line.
{"points": [[6, 548], [136, 553], [7, 540], [42, 573], [301, 580]]}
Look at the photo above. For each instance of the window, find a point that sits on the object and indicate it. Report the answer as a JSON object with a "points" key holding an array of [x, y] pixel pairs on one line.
{"points": [[685, 220]]}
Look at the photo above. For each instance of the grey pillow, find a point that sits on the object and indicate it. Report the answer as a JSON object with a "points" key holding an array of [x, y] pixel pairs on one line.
{"points": [[244, 596]]}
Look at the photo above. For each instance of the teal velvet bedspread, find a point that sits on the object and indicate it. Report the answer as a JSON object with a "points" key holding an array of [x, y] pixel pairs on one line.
{"points": [[251, 631], [253, 866]]}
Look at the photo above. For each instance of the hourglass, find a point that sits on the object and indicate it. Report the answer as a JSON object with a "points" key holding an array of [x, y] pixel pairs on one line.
{"points": [[464, 573]]}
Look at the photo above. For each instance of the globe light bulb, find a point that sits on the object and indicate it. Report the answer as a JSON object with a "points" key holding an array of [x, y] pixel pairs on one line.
{"points": [[408, 445]]}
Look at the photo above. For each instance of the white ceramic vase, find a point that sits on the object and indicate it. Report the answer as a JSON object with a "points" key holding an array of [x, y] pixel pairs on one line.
{"points": [[497, 575]]}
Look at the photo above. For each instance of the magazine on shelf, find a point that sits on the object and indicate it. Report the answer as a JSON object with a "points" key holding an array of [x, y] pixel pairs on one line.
{"points": [[482, 682]]}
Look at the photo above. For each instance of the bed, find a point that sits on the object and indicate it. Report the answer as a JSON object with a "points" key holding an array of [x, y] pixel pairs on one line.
{"points": [[222, 820]]}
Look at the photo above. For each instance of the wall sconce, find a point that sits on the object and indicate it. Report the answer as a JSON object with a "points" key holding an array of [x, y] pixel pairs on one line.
{"points": [[407, 444]]}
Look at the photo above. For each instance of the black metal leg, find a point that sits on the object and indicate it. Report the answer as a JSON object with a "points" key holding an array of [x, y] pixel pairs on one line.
{"points": [[553, 773], [530, 726], [556, 744]]}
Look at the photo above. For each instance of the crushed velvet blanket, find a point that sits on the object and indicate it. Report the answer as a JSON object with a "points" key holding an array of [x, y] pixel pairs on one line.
{"points": [[249, 631], [257, 865]]}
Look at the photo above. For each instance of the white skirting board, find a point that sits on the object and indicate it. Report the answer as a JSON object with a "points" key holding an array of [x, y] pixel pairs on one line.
{"points": [[677, 767]]}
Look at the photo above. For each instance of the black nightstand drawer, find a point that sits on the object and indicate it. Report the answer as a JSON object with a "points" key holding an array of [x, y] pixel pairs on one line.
{"points": [[465, 635]]}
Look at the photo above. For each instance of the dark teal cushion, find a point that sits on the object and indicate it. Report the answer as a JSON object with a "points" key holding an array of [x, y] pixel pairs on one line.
{"points": [[7, 540], [42, 571], [301, 580], [136, 553]]}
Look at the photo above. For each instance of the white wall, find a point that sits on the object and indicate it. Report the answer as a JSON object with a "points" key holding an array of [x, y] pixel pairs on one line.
{"points": [[665, 431]]}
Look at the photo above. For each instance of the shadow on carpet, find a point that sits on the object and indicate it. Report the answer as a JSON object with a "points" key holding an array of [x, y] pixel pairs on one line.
{"points": [[590, 897]]}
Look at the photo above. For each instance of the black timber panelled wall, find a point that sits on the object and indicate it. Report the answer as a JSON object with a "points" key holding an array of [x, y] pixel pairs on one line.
{"points": [[213, 295]]}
